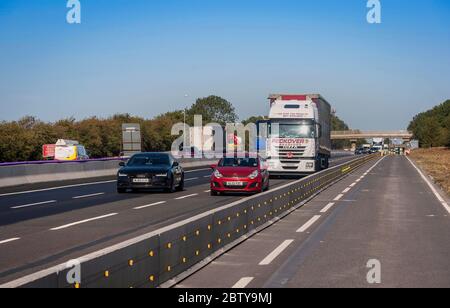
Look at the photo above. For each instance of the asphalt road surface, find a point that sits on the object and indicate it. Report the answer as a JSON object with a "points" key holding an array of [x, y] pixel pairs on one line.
{"points": [[42, 226], [383, 226]]}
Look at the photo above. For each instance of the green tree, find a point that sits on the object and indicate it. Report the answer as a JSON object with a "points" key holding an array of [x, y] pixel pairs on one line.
{"points": [[339, 125], [213, 109], [432, 128], [253, 119]]}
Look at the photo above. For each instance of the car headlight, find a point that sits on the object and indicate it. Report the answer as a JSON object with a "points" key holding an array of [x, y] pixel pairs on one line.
{"points": [[123, 175], [254, 175], [217, 174]]}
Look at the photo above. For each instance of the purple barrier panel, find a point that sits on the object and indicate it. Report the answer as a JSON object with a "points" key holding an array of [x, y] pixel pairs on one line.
{"points": [[44, 162]]}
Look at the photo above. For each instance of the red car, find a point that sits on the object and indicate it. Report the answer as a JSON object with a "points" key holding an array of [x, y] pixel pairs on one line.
{"points": [[248, 175]]}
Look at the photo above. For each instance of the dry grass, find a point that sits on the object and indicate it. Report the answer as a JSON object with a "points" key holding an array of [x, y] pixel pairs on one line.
{"points": [[436, 162]]}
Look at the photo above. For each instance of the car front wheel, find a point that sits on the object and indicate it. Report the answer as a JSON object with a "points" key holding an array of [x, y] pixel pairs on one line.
{"points": [[171, 188]]}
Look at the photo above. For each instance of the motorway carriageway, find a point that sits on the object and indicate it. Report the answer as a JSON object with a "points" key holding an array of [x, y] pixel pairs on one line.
{"points": [[47, 226], [385, 213]]}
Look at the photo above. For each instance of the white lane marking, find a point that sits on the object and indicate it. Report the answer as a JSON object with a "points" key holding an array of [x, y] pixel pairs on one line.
{"points": [[83, 221], [207, 191], [32, 204], [76, 185], [346, 190], [184, 197], [148, 205], [307, 225], [191, 179], [197, 170], [274, 254], [88, 196], [435, 192], [352, 185], [55, 188], [10, 240], [339, 197], [244, 282], [207, 176], [326, 208], [110, 249]]}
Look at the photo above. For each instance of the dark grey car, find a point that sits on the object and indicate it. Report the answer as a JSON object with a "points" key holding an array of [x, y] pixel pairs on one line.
{"points": [[150, 171]]}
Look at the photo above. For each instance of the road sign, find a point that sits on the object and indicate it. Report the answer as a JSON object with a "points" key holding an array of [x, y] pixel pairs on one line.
{"points": [[131, 139]]}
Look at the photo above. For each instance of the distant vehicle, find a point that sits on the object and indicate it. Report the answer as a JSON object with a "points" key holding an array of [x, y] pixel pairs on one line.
{"points": [[302, 144], [249, 175], [360, 151], [150, 171], [374, 150], [48, 151], [69, 150]]}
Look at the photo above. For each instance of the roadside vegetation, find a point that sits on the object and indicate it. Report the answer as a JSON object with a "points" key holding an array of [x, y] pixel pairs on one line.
{"points": [[22, 140], [436, 162], [432, 128]]}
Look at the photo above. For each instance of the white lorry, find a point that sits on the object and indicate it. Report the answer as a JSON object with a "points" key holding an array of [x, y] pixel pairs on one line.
{"points": [[299, 134]]}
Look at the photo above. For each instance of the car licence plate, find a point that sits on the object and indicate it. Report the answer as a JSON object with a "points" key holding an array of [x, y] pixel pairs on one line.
{"points": [[141, 181], [235, 183]]}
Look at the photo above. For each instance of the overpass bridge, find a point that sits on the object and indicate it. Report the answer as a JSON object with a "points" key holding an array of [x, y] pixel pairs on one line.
{"points": [[354, 135]]}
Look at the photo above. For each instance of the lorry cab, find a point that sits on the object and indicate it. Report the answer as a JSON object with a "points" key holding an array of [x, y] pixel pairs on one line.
{"points": [[299, 140]]}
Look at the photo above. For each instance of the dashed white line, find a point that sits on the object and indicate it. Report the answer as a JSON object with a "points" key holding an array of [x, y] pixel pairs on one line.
{"points": [[352, 185], [339, 197], [88, 196], [327, 207], [244, 282], [438, 196], [184, 197], [346, 190], [274, 254], [307, 225], [32, 204], [197, 170], [208, 191], [56, 188], [9, 240], [76, 185], [83, 221], [191, 179], [148, 205]]}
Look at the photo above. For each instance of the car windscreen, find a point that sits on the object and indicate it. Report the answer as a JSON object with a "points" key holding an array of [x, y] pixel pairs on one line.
{"points": [[157, 160], [239, 162]]}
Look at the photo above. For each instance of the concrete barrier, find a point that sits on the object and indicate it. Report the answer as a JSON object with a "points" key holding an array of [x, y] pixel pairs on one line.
{"points": [[164, 256], [23, 174]]}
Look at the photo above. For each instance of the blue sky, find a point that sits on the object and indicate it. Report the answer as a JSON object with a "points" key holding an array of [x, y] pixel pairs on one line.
{"points": [[144, 56]]}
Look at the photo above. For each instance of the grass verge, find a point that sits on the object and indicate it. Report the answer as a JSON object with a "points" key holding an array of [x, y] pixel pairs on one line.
{"points": [[436, 162]]}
